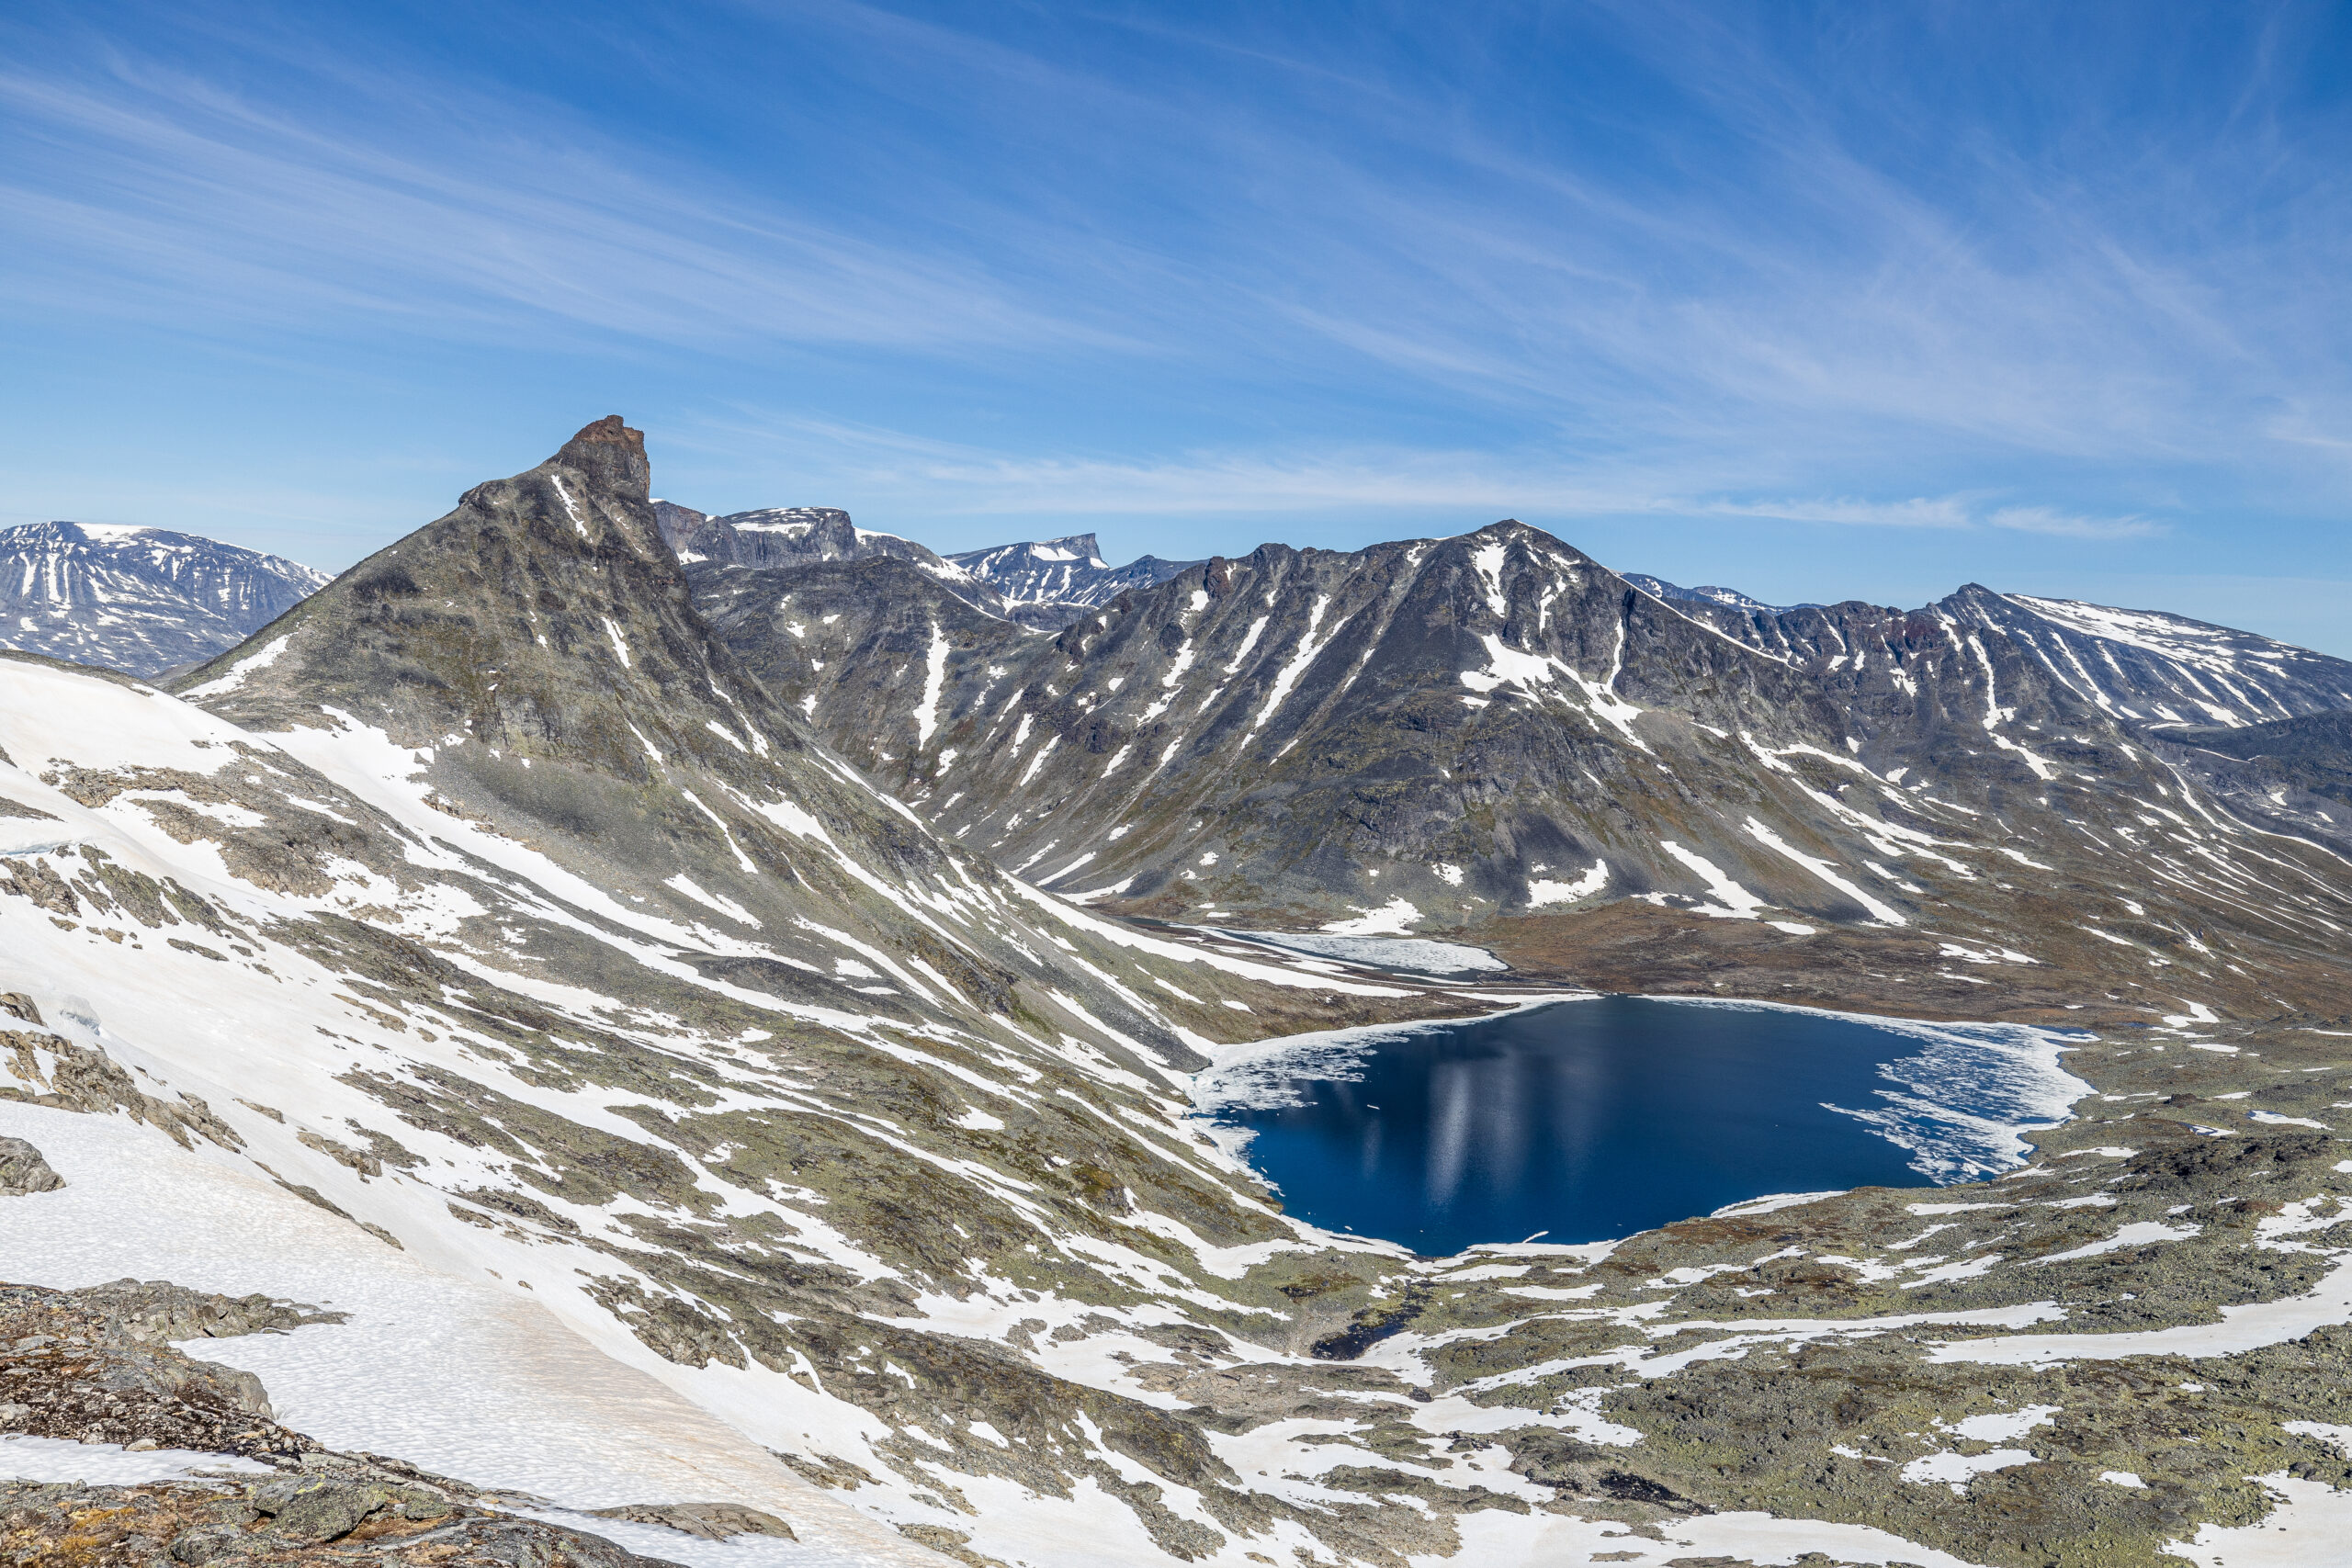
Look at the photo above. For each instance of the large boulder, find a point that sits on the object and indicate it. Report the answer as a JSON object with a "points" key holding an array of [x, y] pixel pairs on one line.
{"points": [[22, 1171]]}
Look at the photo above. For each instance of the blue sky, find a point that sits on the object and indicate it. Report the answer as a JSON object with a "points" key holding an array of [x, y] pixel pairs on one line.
{"points": [[1819, 301]]}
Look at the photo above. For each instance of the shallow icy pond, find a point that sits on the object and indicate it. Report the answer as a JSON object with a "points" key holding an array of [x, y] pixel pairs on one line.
{"points": [[1596, 1118]]}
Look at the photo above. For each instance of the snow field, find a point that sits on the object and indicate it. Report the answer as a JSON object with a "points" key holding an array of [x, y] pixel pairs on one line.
{"points": [[447, 1372]]}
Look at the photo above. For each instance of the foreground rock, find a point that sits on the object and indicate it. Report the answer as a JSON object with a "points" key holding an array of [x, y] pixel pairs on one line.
{"points": [[22, 1171], [94, 1367], [307, 1521]]}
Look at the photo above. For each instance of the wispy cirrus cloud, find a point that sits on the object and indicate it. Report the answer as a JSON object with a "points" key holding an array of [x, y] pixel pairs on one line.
{"points": [[903, 468], [1733, 274], [2072, 525], [159, 193], [1940, 512], [1920, 512]]}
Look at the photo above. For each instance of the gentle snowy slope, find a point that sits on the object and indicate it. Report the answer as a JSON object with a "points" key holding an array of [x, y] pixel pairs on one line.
{"points": [[449, 1369]]}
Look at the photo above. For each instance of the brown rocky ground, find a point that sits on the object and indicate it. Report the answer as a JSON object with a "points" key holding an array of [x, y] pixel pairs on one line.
{"points": [[2079, 982]]}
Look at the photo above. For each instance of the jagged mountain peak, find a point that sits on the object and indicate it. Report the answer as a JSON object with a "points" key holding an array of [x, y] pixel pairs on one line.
{"points": [[542, 617], [608, 450], [535, 661]]}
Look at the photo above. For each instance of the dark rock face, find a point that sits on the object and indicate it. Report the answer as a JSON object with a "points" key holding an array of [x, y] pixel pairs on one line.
{"points": [[143, 601], [2310, 754]]}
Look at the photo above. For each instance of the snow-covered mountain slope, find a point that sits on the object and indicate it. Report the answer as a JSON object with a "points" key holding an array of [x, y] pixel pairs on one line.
{"points": [[2148, 669], [1441, 734], [139, 600], [487, 899], [1055, 580], [1732, 598], [493, 912]]}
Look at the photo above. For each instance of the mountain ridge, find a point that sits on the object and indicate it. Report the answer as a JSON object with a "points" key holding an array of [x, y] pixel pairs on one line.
{"points": [[595, 930], [1433, 735]]}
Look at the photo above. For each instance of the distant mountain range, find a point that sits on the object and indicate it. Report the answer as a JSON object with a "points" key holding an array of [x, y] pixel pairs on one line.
{"points": [[142, 600], [145, 601], [1730, 598], [1042, 585], [1065, 577]]}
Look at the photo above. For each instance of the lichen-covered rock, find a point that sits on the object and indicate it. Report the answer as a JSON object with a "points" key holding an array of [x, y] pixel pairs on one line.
{"points": [[24, 1171], [708, 1521], [313, 1523]]}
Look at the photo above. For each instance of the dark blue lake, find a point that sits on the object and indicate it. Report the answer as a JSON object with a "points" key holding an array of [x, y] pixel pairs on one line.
{"points": [[1593, 1119]]}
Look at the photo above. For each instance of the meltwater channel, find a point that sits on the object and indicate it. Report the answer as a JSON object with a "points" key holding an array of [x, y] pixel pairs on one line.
{"points": [[1595, 1118]]}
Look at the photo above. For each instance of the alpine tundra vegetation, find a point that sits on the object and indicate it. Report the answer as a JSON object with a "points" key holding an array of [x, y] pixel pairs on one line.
{"points": [[610, 1033]]}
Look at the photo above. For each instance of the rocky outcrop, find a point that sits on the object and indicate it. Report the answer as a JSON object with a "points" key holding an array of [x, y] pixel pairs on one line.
{"points": [[93, 1366], [705, 1521], [68, 1076], [96, 1366], [320, 1521], [22, 1171]]}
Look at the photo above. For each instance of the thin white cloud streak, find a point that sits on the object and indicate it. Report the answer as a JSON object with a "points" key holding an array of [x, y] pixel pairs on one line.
{"points": [[949, 479], [1798, 320], [1938, 512], [1920, 512], [2071, 525], [213, 202]]}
